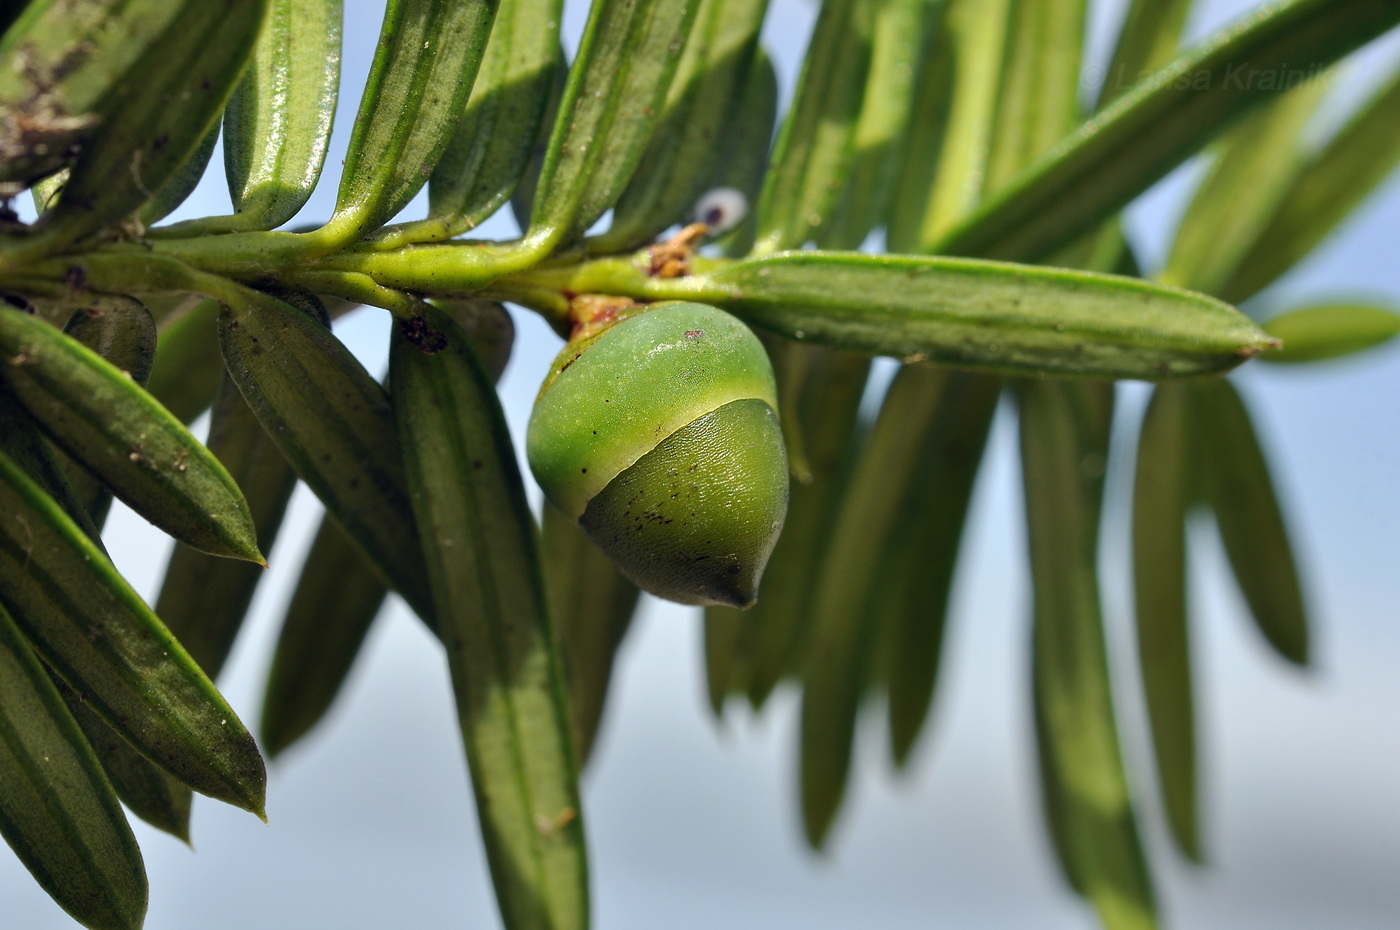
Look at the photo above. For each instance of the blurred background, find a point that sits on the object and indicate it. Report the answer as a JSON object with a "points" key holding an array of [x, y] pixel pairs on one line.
{"points": [[693, 823]]}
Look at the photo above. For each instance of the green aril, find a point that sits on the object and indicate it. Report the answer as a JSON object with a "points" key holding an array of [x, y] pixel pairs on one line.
{"points": [[660, 436]]}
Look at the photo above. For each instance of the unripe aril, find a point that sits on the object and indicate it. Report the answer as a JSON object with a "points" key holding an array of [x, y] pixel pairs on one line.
{"points": [[660, 436]]}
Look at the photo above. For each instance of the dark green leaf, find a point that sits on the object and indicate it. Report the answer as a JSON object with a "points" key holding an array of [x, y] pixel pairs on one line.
{"points": [[1161, 497], [1164, 119], [105, 421], [725, 663], [1335, 180], [178, 187], [150, 793], [687, 142], [1240, 491], [481, 546], [333, 423], [593, 606], [913, 599], [1036, 104], [1055, 803], [188, 366], [985, 315], [489, 327], [823, 407], [124, 334], [424, 67], [147, 791], [336, 600], [840, 649], [338, 594], [500, 129], [21, 440], [1064, 442], [156, 120], [522, 201], [96, 633], [1311, 334], [57, 811], [203, 599], [616, 91], [279, 120], [816, 145]]}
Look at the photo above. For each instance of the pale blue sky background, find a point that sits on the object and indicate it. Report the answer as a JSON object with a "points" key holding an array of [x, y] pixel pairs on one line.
{"points": [[693, 825]]}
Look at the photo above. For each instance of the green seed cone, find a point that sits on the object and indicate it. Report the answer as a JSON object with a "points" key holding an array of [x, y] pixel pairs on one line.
{"points": [[660, 436], [695, 519]]}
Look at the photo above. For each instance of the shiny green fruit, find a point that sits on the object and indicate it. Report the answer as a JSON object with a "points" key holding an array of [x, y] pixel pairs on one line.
{"points": [[660, 436]]}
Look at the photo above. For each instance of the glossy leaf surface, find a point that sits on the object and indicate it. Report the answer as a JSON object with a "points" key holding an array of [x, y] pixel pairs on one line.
{"points": [[336, 600], [1159, 123], [94, 631], [1327, 331], [203, 599], [496, 137], [986, 315], [104, 420], [332, 422], [278, 121], [481, 547], [816, 145], [615, 93], [1161, 499], [57, 811], [1240, 491], [154, 125], [422, 74], [1062, 426], [688, 139]]}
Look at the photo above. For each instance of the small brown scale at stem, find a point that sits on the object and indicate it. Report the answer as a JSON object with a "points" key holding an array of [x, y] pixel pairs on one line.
{"points": [[590, 314], [671, 259], [593, 313]]}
